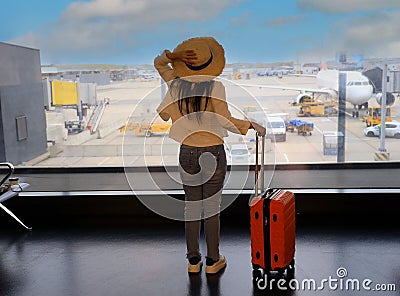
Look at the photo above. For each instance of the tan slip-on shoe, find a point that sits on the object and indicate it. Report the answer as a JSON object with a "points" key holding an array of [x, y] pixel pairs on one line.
{"points": [[194, 268], [217, 266]]}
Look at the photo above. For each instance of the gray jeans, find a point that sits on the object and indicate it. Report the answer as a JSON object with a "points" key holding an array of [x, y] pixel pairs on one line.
{"points": [[202, 171]]}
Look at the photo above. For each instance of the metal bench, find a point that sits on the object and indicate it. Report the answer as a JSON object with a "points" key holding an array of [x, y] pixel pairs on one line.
{"points": [[10, 187]]}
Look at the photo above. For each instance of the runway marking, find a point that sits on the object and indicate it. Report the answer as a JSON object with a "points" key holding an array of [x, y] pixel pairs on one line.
{"points": [[285, 155], [279, 81], [104, 161], [351, 115], [318, 129]]}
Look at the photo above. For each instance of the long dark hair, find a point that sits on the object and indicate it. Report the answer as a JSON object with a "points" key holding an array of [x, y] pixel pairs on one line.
{"points": [[190, 95]]}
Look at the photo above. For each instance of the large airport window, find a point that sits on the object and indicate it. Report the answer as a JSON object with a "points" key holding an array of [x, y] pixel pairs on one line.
{"points": [[122, 127], [103, 119], [82, 91]]}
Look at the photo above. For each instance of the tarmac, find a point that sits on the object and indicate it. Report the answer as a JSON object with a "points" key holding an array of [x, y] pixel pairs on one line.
{"points": [[135, 101]]}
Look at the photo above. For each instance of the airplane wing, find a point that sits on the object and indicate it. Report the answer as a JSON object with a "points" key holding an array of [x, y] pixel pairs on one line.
{"points": [[282, 87], [303, 75]]}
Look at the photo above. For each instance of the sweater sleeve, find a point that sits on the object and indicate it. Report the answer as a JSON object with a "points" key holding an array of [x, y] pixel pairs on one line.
{"points": [[162, 64], [164, 109], [225, 118]]}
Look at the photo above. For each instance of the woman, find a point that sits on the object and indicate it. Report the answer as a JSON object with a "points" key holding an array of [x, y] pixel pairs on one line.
{"points": [[197, 105]]}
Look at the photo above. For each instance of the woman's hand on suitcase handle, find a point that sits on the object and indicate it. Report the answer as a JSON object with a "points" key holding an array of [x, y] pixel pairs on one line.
{"points": [[258, 128]]}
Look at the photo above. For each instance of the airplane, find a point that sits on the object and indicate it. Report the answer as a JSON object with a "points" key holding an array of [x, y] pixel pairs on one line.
{"points": [[358, 88]]}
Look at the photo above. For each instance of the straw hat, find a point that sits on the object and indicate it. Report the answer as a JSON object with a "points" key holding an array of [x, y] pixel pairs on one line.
{"points": [[210, 59]]}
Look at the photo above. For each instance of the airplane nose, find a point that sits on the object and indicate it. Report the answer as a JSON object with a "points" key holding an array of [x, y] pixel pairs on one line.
{"points": [[360, 94], [365, 92], [368, 91]]}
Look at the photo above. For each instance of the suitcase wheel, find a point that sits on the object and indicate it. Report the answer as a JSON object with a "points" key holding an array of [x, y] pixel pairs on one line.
{"points": [[290, 270], [260, 278]]}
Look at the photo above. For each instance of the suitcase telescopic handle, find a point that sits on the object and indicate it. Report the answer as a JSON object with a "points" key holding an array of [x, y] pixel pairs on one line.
{"points": [[261, 167]]}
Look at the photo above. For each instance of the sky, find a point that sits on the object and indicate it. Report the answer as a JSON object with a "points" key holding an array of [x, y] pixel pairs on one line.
{"points": [[251, 31]]}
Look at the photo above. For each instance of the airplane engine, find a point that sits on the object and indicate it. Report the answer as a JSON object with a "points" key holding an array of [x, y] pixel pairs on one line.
{"points": [[390, 98], [331, 93], [302, 98]]}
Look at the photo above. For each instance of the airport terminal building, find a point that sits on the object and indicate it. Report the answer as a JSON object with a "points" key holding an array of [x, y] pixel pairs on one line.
{"points": [[90, 167]]}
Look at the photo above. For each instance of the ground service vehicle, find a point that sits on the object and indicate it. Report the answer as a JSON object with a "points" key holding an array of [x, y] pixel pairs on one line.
{"points": [[149, 129], [240, 153], [317, 108], [374, 115], [276, 128], [274, 124]]}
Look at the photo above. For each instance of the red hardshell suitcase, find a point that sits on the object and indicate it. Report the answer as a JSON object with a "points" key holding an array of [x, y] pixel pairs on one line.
{"points": [[272, 229]]}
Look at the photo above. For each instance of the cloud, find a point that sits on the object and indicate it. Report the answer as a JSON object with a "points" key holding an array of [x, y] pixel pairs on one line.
{"points": [[103, 27], [242, 20], [377, 33], [78, 11], [147, 11], [284, 21], [345, 6]]}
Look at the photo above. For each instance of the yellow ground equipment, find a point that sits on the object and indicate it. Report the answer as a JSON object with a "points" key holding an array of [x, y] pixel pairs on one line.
{"points": [[317, 108], [238, 76], [248, 108], [374, 115], [147, 129], [129, 126]]}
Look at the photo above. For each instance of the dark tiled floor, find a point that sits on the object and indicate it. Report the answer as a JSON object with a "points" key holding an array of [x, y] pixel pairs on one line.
{"points": [[149, 259]]}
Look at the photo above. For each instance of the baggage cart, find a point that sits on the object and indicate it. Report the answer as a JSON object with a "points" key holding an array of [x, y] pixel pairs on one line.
{"points": [[302, 127], [305, 128]]}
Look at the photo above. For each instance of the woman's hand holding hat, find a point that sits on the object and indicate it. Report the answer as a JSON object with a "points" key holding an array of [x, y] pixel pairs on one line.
{"points": [[187, 56], [258, 128]]}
